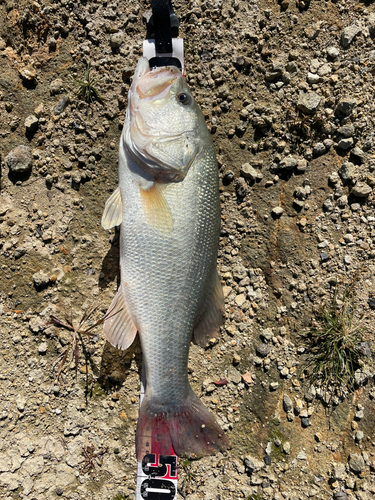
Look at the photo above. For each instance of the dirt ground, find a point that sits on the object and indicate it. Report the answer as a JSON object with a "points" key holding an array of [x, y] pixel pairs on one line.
{"points": [[288, 95]]}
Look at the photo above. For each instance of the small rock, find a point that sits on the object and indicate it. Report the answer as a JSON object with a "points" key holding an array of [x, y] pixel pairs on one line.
{"points": [[361, 190], [240, 299], [287, 404], [233, 375], [346, 130], [287, 163], [19, 160], [39, 110], [345, 143], [356, 463], [277, 211], [56, 86], [42, 348], [20, 403], [333, 52], [313, 78], [324, 70], [308, 103], [116, 40], [249, 172], [358, 154], [263, 350], [347, 171], [348, 34], [61, 105], [267, 334], [324, 256], [359, 435], [253, 464], [286, 447], [319, 149], [340, 495], [28, 74], [31, 123], [346, 106], [247, 378], [305, 422], [40, 279], [302, 455]]}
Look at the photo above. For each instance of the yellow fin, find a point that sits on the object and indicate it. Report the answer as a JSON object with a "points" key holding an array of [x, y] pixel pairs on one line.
{"points": [[119, 329], [112, 215], [156, 208], [212, 318]]}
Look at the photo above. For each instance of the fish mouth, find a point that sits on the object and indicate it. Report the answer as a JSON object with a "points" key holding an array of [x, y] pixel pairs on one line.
{"points": [[154, 83]]}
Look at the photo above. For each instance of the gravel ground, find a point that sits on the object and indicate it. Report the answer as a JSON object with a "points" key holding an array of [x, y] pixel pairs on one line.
{"points": [[287, 90]]}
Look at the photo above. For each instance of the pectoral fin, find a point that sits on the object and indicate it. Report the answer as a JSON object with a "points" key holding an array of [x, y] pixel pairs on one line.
{"points": [[119, 329], [156, 208], [209, 323], [112, 215]]}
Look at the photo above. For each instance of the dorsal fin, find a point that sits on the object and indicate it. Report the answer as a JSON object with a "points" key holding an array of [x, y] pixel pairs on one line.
{"points": [[112, 215], [119, 329], [212, 318]]}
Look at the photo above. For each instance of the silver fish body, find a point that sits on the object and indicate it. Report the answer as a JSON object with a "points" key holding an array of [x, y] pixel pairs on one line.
{"points": [[170, 219]]}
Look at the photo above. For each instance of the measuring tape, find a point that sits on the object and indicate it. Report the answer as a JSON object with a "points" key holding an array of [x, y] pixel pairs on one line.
{"points": [[156, 474]]}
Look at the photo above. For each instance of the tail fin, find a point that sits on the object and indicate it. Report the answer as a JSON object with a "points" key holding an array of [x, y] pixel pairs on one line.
{"points": [[189, 430]]}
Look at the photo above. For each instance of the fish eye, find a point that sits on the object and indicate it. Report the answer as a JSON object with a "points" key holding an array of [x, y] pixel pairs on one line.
{"points": [[183, 98]]}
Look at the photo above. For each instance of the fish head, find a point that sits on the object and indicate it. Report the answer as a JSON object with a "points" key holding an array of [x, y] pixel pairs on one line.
{"points": [[164, 129]]}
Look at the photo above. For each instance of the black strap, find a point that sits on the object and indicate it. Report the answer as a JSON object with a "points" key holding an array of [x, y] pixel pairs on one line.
{"points": [[164, 25]]}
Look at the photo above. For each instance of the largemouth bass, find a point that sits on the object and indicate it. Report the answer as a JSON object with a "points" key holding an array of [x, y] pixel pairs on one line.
{"points": [[167, 204]]}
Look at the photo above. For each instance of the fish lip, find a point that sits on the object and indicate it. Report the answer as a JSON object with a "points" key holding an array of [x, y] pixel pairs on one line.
{"points": [[147, 87]]}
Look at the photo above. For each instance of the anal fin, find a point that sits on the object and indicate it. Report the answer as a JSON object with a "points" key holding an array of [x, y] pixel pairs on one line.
{"points": [[119, 329], [112, 215], [212, 318]]}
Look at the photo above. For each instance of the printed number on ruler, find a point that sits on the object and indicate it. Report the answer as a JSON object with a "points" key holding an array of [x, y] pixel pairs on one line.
{"points": [[158, 486]]}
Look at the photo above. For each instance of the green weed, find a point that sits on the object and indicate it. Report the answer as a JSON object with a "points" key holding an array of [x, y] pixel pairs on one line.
{"points": [[86, 87], [334, 341]]}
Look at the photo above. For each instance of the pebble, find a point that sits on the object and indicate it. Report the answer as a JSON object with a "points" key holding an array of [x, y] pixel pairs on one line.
{"points": [[42, 348], [356, 463], [288, 163], [324, 256], [40, 279], [346, 130], [61, 105], [361, 190], [19, 160], [263, 350], [345, 143], [31, 123], [319, 149], [302, 455], [347, 171], [287, 403], [286, 447], [358, 154], [348, 34], [277, 211], [309, 102], [346, 105], [333, 52], [359, 435], [249, 172], [56, 86], [116, 40]]}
